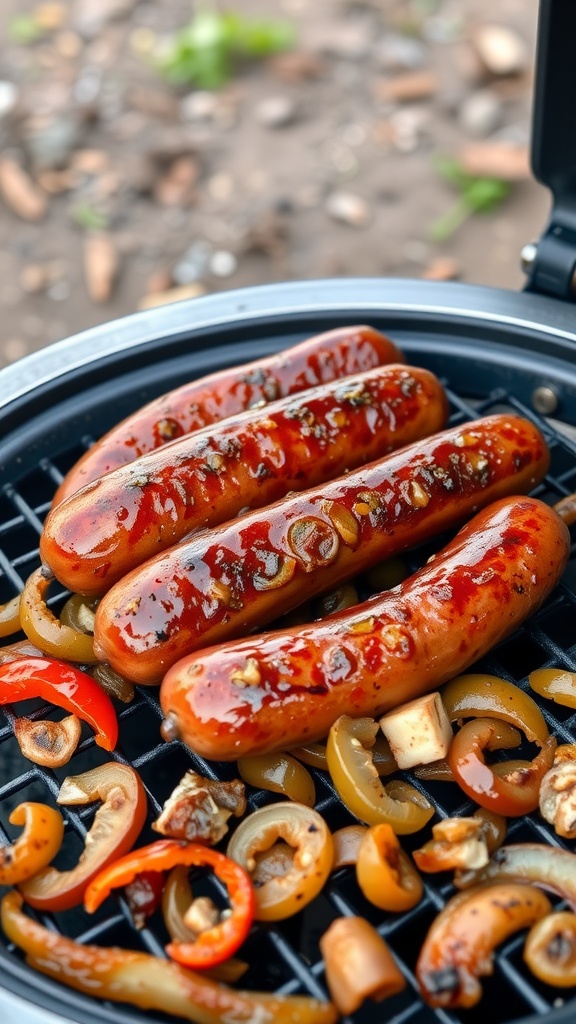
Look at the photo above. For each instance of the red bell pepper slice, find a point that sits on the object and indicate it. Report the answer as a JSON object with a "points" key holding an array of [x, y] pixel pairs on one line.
{"points": [[215, 944], [67, 687]]}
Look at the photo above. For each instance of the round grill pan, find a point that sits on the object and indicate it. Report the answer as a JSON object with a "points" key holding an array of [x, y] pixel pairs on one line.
{"points": [[493, 350]]}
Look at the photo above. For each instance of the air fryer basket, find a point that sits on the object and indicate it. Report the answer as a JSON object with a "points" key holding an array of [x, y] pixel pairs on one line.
{"points": [[493, 350]]}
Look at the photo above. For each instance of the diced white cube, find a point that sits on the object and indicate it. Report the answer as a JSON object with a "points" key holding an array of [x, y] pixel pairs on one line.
{"points": [[418, 732]]}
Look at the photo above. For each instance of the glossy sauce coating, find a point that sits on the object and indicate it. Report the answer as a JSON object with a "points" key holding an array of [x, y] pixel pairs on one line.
{"points": [[117, 522], [238, 577], [317, 360], [286, 688]]}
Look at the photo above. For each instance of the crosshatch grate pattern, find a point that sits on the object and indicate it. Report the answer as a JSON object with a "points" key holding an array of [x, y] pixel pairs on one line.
{"points": [[283, 957]]}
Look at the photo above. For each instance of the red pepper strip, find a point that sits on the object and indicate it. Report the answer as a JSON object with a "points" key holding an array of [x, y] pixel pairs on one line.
{"points": [[66, 687], [513, 793], [212, 946]]}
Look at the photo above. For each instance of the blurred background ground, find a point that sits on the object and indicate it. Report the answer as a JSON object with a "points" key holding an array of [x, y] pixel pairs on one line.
{"points": [[362, 149]]}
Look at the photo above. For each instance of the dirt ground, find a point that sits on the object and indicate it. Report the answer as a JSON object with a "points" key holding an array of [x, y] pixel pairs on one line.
{"points": [[120, 190]]}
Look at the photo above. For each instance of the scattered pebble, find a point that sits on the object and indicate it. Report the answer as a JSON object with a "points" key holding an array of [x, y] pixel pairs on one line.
{"points": [[101, 265], [397, 52], [177, 186], [13, 349], [480, 113], [60, 291], [50, 144], [297, 66], [347, 208], [20, 192], [8, 98], [193, 264], [223, 263], [275, 111], [33, 278], [501, 50], [352, 41]]}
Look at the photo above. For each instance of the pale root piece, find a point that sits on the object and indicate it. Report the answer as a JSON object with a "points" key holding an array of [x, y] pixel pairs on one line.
{"points": [[418, 732]]}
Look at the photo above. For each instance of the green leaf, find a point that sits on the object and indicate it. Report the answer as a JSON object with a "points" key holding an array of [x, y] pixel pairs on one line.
{"points": [[87, 217], [206, 51], [475, 195], [24, 29]]}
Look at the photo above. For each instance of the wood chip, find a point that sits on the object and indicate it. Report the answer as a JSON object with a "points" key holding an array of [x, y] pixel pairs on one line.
{"points": [[178, 186], [492, 159], [20, 192], [444, 268], [408, 87], [185, 291], [101, 265]]}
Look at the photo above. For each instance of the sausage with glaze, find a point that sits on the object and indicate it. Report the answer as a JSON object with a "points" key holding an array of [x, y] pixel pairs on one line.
{"points": [[286, 688], [240, 576], [317, 360], [117, 522]]}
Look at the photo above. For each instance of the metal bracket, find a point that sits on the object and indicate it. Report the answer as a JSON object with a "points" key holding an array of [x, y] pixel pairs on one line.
{"points": [[551, 263]]}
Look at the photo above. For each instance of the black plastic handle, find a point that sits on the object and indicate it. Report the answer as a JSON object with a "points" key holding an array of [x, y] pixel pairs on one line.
{"points": [[554, 108], [553, 270]]}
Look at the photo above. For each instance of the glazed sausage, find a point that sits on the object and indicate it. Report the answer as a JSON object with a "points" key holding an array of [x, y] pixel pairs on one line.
{"points": [[287, 688], [237, 578], [322, 358], [117, 522]]}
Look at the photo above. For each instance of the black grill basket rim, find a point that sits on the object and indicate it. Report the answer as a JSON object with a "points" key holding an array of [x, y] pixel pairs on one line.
{"points": [[492, 348]]}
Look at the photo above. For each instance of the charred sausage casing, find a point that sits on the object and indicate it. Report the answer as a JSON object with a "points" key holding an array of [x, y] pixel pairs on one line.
{"points": [[233, 579], [282, 689], [317, 360], [117, 522]]}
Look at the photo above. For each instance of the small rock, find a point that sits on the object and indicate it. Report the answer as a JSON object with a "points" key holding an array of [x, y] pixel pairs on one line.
{"points": [[397, 52], [49, 16], [8, 98], [494, 159], [20, 192], [442, 29], [444, 268], [101, 265], [347, 208], [275, 111], [297, 66], [153, 102], [34, 278], [480, 113], [90, 161], [501, 50], [188, 291], [408, 87], [352, 41], [59, 291], [408, 128], [193, 264], [90, 16], [199, 106], [13, 349], [160, 280], [56, 182], [177, 187], [223, 263], [68, 45], [51, 143]]}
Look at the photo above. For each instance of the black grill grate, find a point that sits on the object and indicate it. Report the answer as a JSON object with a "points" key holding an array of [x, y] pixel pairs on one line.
{"points": [[284, 958]]}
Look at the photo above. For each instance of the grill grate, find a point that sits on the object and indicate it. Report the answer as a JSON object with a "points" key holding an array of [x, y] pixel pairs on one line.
{"points": [[283, 957]]}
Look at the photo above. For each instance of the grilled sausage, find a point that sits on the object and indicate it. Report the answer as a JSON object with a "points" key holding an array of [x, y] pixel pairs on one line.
{"points": [[322, 358], [231, 580], [125, 517], [286, 688]]}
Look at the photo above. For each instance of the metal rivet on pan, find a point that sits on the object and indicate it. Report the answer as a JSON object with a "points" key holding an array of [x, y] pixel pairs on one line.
{"points": [[528, 256], [544, 400]]}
